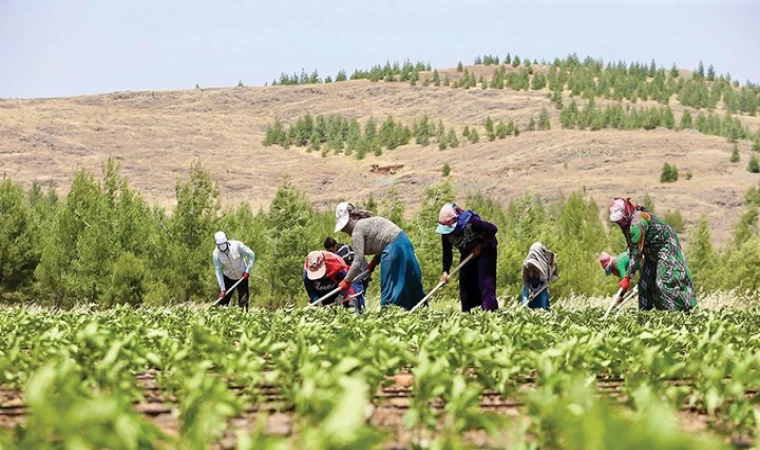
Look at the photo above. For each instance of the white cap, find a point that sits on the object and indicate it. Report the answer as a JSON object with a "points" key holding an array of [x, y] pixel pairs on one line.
{"points": [[220, 237], [342, 214]]}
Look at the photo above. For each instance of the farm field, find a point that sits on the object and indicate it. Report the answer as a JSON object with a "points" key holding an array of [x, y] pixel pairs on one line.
{"points": [[187, 377]]}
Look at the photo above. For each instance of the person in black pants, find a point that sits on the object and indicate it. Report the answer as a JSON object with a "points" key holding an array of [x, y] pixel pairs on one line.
{"points": [[230, 267]]}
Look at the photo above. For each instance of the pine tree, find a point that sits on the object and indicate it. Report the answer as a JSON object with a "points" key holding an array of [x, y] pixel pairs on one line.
{"points": [[516, 61], [314, 141], [517, 131], [669, 173], [668, 120], [685, 120], [474, 137], [466, 132], [754, 164], [240, 84], [543, 120], [509, 128], [569, 115], [648, 202], [501, 130], [699, 74], [341, 76], [489, 124], [388, 133], [436, 78], [675, 220], [531, 125], [710, 73], [452, 138], [446, 169], [442, 142], [370, 130], [508, 59], [422, 131], [674, 71], [735, 158], [460, 67], [756, 143]]}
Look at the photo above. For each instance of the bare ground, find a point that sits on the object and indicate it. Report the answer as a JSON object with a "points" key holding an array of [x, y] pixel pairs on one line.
{"points": [[155, 135]]}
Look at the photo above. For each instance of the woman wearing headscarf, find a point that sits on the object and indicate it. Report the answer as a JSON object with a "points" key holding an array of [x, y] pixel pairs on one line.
{"points": [[539, 271], [470, 234], [665, 279], [400, 275]]}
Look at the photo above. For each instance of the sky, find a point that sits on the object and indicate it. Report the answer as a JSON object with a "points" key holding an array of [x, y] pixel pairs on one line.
{"points": [[52, 48]]}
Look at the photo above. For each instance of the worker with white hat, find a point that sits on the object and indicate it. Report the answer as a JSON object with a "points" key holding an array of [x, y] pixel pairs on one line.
{"points": [[233, 262]]}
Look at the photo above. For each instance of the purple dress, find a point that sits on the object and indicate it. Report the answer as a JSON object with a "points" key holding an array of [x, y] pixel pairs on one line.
{"points": [[477, 278]]}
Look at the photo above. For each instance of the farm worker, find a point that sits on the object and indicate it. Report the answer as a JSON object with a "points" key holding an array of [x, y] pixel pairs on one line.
{"points": [[400, 275], [346, 252], [230, 266], [539, 271], [470, 234], [665, 279], [323, 272], [615, 265]]}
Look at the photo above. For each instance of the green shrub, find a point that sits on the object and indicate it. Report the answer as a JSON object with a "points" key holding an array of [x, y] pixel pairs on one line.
{"points": [[669, 173], [735, 158], [675, 220], [753, 165]]}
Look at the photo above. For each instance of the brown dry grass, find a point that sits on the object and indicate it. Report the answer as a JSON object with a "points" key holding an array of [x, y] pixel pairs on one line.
{"points": [[155, 135]]}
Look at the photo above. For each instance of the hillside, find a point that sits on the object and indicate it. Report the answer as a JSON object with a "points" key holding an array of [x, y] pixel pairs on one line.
{"points": [[155, 135]]}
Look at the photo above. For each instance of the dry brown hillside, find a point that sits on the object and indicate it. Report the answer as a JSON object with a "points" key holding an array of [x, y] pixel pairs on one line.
{"points": [[155, 135]]}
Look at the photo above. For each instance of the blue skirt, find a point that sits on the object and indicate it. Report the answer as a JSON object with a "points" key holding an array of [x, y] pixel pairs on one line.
{"points": [[400, 274], [541, 301]]}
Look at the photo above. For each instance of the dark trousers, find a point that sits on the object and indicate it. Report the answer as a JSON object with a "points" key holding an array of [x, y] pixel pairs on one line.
{"points": [[477, 281], [242, 290]]}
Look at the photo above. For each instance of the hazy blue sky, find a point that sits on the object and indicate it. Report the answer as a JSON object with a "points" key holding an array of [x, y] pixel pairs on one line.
{"points": [[60, 48]]}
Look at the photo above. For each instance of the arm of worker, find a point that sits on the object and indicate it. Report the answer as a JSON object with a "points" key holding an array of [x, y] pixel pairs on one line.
{"points": [[356, 266], [447, 251], [637, 232], [219, 271], [310, 291], [251, 256]]}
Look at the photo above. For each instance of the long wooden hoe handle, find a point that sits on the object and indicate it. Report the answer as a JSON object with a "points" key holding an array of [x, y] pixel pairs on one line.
{"points": [[441, 283], [335, 291], [614, 300], [231, 289], [627, 297]]}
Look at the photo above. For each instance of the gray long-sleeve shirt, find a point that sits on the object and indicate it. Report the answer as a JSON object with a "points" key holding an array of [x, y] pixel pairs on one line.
{"points": [[370, 237]]}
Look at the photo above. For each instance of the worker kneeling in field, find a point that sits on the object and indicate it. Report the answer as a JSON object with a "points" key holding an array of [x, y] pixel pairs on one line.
{"points": [[230, 266], [665, 280], [470, 234], [322, 273], [400, 275], [348, 254], [539, 271]]}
